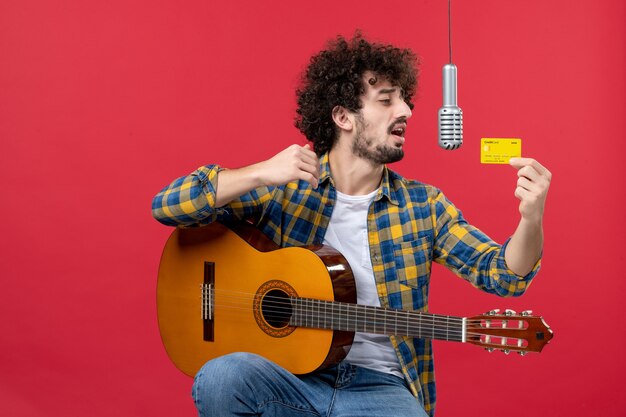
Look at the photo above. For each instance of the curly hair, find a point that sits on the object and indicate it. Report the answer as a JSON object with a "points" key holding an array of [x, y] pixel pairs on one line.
{"points": [[334, 78]]}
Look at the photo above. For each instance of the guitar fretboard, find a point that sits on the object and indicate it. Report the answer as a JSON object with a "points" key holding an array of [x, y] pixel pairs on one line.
{"points": [[368, 319]]}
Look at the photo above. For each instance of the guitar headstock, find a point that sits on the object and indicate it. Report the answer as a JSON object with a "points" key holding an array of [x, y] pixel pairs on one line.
{"points": [[508, 331]]}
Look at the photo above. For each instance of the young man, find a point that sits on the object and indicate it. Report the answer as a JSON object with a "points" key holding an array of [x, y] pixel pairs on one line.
{"points": [[354, 106]]}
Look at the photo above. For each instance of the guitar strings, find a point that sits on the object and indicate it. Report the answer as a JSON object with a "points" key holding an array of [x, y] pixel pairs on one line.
{"points": [[287, 302], [413, 325], [414, 329], [416, 322], [279, 302]]}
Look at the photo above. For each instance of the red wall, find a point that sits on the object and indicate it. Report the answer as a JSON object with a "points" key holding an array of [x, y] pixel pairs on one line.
{"points": [[104, 102]]}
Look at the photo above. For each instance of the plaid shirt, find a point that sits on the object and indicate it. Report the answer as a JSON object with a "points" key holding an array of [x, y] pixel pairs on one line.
{"points": [[410, 224]]}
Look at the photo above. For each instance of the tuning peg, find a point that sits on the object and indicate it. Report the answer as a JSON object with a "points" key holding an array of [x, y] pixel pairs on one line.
{"points": [[527, 312], [506, 351], [522, 352], [489, 349], [493, 312], [509, 312]]}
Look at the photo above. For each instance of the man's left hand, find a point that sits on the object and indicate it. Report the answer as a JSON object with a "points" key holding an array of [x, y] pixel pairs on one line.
{"points": [[532, 187]]}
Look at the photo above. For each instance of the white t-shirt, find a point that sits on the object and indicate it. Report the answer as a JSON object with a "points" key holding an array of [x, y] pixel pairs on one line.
{"points": [[347, 232]]}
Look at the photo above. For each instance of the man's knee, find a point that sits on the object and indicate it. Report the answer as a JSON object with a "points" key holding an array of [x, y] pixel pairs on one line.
{"points": [[225, 379], [230, 372]]}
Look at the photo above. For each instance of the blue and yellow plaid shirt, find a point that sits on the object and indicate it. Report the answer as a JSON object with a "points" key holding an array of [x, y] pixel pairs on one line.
{"points": [[410, 224]]}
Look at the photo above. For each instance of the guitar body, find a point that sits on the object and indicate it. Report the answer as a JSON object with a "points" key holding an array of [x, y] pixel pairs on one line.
{"points": [[243, 272]]}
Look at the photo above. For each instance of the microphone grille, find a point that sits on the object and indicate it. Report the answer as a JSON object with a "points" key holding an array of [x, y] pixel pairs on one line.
{"points": [[450, 127]]}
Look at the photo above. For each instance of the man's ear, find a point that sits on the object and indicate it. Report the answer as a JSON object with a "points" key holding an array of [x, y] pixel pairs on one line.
{"points": [[343, 118]]}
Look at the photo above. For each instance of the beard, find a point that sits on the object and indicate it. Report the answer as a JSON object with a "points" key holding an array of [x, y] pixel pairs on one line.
{"points": [[381, 153]]}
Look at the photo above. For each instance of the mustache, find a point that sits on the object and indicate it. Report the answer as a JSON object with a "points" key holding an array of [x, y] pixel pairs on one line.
{"points": [[399, 120]]}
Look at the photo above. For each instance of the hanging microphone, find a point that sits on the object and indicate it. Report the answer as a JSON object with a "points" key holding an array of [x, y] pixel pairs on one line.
{"points": [[450, 116]]}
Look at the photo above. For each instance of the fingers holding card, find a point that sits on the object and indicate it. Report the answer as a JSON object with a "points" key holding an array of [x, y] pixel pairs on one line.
{"points": [[532, 187]]}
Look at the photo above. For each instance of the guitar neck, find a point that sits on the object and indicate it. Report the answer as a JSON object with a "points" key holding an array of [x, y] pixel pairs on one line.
{"points": [[333, 315]]}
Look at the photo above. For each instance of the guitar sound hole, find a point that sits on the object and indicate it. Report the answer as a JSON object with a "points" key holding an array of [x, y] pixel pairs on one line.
{"points": [[276, 308]]}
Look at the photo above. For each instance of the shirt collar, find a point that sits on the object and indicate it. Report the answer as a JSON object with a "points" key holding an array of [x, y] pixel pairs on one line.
{"points": [[385, 189]]}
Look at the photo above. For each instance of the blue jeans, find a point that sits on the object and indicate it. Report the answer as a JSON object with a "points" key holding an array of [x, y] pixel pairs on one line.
{"points": [[243, 384]]}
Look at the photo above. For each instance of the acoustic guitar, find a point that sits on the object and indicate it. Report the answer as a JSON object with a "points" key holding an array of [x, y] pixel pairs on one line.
{"points": [[223, 290]]}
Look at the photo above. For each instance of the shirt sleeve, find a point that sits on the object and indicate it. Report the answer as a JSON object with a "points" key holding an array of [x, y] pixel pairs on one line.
{"points": [[472, 255], [189, 201]]}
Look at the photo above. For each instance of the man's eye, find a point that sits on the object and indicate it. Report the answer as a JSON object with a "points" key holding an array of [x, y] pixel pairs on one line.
{"points": [[386, 101]]}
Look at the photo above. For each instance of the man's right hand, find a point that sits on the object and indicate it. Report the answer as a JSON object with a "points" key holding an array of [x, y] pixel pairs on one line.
{"points": [[292, 164]]}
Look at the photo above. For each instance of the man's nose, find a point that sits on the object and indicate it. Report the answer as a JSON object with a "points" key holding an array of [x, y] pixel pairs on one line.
{"points": [[404, 110]]}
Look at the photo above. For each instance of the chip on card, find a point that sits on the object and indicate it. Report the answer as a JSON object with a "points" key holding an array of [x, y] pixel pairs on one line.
{"points": [[499, 150]]}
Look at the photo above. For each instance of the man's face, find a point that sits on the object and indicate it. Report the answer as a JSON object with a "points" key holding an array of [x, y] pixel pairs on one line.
{"points": [[381, 122]]}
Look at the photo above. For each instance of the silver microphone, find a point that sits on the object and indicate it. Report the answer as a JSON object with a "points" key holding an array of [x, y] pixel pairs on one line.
{"points": [[450, 115]]}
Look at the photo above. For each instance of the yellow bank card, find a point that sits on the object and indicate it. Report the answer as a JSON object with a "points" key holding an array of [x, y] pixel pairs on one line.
{"points": [[499, 150]]}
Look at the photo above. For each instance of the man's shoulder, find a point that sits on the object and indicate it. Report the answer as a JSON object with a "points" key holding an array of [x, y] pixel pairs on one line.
{"points": [[411, 186]]}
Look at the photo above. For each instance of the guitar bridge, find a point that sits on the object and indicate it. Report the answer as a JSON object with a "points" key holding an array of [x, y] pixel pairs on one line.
{"points": [[208, 297], [207, 302]]}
